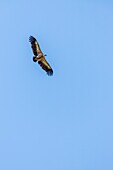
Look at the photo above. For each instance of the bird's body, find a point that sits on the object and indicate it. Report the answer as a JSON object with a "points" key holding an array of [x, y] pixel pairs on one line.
{"points": [[39, 56]]}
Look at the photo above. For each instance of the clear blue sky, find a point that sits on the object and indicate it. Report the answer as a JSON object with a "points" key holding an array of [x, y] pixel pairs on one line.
{"points": [[63, 122]]}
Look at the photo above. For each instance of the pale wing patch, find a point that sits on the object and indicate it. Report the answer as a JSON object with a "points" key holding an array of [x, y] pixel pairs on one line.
{"points": [[43, 60], [38, 47]]}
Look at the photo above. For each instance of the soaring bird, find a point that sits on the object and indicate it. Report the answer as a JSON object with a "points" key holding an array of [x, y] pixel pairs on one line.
{"points": [[39, 56]]}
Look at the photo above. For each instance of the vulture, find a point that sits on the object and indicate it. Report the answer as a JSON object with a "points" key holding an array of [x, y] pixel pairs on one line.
{"points": [[39, 56]]}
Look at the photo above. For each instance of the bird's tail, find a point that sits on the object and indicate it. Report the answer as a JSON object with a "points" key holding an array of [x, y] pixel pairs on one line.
{"points": [[34, 59]]}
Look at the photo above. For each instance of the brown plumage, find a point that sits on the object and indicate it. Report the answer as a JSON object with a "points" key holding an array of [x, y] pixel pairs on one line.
{"points": [[39, 56]]}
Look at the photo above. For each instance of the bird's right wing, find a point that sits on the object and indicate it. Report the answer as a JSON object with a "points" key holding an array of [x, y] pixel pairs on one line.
{"points": [[35, 46], [45, 66]]}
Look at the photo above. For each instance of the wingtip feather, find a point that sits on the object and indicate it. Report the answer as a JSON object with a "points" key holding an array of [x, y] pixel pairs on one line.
{"points": [[32, 39], [50, 72]]}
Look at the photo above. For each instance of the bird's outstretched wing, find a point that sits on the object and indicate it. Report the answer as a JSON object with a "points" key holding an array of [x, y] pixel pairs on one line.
{"points": [[45, 66], [35, 46]]}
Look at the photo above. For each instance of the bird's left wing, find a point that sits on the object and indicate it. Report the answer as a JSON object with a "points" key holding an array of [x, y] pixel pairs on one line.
{"points": [[35, 46]]}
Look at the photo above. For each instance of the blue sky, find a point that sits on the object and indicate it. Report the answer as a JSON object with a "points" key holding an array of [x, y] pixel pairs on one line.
{"points": [[63, 122]]}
